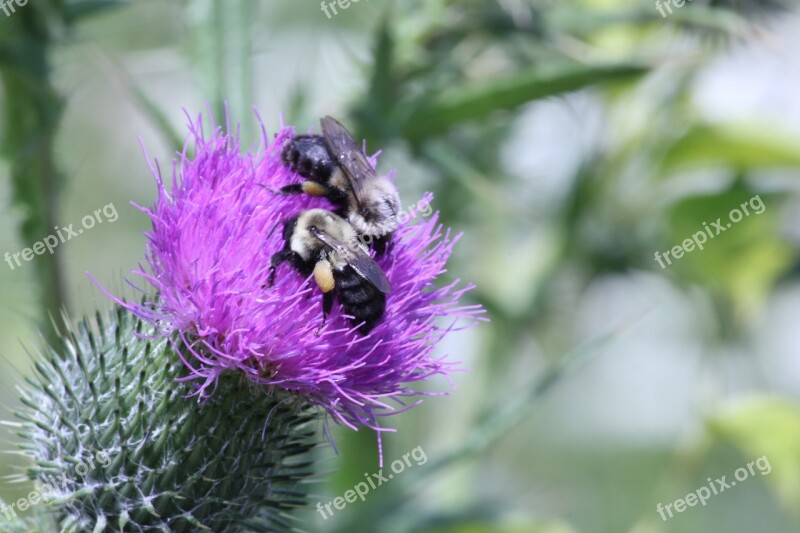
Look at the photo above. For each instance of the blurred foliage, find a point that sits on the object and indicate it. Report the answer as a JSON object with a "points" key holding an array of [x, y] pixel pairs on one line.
{"points": [[766, 427], [742, 265], [446, 84]]}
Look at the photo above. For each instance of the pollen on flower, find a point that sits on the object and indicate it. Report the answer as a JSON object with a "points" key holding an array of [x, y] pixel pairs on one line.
{"points": [[208, 257]]}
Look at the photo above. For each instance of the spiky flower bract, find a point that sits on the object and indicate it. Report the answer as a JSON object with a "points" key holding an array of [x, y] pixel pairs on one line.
{"points": [[115, 446], [213, 234]]}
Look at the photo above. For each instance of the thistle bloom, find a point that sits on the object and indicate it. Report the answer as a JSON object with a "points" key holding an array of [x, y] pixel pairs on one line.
{"points": [[213, 234]]}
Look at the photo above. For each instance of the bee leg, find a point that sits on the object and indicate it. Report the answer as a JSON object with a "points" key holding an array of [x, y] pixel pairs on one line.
{"points": [[278, 258], [312, 188], [294, 188], [381, 245], [327, 305]]}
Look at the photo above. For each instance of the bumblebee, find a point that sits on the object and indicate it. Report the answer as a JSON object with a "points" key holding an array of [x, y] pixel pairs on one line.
{"points": [[320, 242], [335, 166]]}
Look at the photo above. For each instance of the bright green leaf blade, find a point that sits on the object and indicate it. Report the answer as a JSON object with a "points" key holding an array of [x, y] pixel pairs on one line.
{"points": [[740, 146], [479, 99]]}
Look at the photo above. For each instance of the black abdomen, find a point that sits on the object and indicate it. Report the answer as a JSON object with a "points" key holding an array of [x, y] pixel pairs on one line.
{"points": [[359, 298]]}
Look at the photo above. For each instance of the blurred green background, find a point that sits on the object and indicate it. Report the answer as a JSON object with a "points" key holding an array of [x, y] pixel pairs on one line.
{"points": [[569, 141]]}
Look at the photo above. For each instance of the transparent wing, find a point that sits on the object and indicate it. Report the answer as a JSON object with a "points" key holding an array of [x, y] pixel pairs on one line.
{"points": [[348, 154], [356, 257]]}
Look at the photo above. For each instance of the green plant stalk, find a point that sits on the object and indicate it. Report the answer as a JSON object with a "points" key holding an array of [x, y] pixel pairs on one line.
{"points": [[33, 110], [207, 51]]}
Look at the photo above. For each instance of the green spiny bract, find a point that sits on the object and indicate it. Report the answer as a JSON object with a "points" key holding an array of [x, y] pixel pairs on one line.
{"points": [[108, 402]]}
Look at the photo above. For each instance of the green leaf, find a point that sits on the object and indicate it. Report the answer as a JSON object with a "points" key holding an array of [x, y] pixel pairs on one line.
{"points": [[723, 21], [744, 260], [479, 99], [741, 146], [370, 114]]}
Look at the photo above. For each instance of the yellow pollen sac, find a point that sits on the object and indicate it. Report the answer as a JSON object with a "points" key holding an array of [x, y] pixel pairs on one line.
{"points": [[313, 188], [323, 276]]}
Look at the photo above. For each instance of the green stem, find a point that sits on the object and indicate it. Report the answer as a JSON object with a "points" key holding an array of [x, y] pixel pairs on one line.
{"points": [[33, 110], [208, 51], [240, 75]]}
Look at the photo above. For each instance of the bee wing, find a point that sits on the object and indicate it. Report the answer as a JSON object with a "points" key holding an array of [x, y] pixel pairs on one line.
{"points": [[360, 260], [348, 154]]}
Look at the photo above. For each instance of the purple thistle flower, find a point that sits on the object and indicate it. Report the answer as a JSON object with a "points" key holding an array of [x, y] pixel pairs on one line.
{"points": [[208, 253]]}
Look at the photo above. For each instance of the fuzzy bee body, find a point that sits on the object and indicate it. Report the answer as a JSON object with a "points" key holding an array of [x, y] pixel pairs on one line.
{"points": [[337, 168], [321, 243], [359, 298], [308, 156]]}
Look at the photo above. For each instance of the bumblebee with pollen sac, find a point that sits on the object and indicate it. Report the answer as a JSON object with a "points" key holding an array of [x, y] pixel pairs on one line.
{"points": [[320, 242], [335, 167]]}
